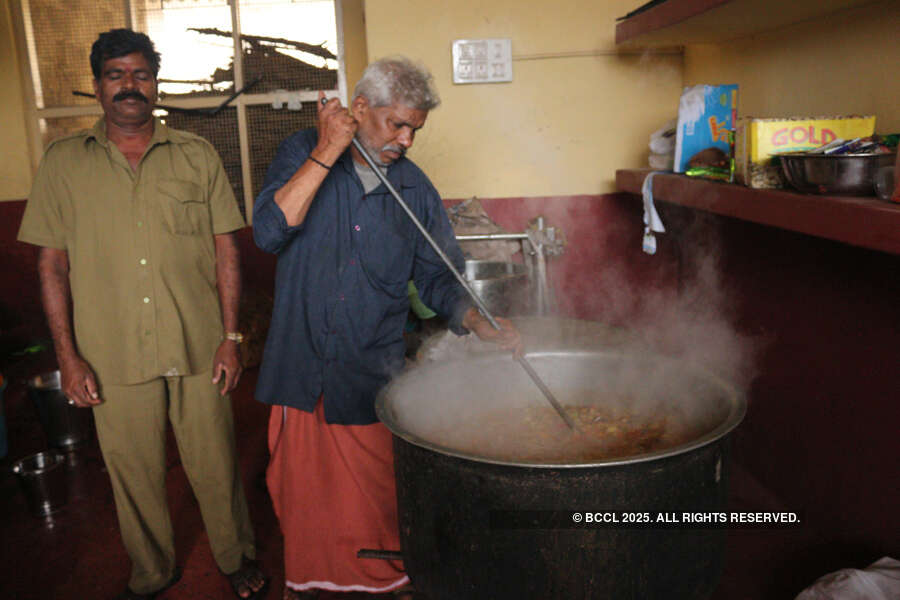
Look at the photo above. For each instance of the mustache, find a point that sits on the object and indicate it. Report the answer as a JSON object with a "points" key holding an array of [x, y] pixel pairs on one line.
{"points": [[125, 94], [398, 149]]}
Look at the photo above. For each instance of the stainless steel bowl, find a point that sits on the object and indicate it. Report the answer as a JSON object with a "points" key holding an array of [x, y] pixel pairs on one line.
{"points": [[503, 286], [840, 175]]}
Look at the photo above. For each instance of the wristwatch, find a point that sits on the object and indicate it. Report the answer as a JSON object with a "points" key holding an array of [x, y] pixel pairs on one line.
{"points": [[234, 336]]}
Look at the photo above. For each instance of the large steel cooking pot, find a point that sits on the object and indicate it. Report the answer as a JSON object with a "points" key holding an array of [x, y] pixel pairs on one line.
{"points": [[450, 500]]}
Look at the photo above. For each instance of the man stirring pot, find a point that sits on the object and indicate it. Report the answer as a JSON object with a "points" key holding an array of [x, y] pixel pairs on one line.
{"points": [[346, 251]]}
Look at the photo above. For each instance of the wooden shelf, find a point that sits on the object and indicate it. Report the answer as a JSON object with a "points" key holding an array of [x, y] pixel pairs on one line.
{"points": [[681, 22], [867, 222]]}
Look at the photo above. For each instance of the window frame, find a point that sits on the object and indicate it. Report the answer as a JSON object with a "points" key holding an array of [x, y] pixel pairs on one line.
{"points": [[24, 40]]}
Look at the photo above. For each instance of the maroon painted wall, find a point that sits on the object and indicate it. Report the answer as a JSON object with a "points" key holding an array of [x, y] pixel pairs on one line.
{"points": [[602, 248], [821, 432], [824, 399], [21, 316]]}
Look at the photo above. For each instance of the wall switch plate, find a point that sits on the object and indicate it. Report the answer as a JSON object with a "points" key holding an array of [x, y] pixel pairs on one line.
{"points": [[482, 61]]}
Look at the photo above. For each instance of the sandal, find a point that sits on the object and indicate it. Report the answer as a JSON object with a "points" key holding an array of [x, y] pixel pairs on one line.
{"points": [[242, 579], [130, 595]]}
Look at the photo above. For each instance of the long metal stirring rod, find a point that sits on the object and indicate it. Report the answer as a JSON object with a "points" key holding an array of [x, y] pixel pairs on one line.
{"points": [[484, 309]]}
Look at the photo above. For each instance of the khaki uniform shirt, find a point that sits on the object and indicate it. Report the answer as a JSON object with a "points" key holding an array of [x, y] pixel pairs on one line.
{"points": [[142, 259]]}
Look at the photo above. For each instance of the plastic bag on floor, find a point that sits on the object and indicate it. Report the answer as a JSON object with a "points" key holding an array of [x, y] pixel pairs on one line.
{"points": [[878, 581]]}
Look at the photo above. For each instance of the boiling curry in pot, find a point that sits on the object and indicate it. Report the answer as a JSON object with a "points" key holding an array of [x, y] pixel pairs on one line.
{"points": [[537, 434]]}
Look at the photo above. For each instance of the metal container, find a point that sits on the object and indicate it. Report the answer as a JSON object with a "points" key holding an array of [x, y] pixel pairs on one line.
{"points": [[538, 334], [450, 500], [43, 480], [67, 427], [840, 175], [503, 286], [884, 182]]}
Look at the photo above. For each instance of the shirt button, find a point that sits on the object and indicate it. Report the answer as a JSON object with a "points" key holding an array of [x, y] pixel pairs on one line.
{"points": [[341, 297], [356, 227], [146, 300], [143, 261], [140, 223]]}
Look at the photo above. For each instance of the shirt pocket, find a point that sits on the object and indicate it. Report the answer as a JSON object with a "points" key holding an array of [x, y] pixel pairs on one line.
{"points": [[183, 206], [388, 255]]}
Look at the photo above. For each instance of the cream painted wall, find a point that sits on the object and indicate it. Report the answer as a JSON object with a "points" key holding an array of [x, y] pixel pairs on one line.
{"points": [[355, 59], [562, 126], [15, 167], [846, 63]]}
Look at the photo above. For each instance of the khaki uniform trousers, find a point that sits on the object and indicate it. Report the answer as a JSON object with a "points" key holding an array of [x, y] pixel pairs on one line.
{"points": [[131, 428]]}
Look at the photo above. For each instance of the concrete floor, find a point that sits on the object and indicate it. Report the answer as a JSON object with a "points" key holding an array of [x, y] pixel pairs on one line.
{"points": [[78, 553]]}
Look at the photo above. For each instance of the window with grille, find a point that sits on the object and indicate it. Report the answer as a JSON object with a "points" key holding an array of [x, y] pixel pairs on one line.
{"points": [[244, 74]]}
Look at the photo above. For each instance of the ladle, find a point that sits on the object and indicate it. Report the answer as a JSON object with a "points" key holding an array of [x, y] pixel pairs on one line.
{"points": [[478, 301]]}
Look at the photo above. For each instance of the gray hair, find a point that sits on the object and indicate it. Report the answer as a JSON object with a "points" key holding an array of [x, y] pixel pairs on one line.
{"points": [[397, 79]]}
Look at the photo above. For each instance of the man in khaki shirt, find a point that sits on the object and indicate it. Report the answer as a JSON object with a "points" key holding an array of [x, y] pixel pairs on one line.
{"points": [[135, 222]]}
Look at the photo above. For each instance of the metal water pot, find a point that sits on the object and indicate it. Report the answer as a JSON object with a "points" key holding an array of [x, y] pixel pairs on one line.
{"points": [[67, 427]]}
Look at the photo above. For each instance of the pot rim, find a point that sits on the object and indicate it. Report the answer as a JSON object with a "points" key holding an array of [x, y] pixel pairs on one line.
{"points": [[54, 458], [736, 413]]}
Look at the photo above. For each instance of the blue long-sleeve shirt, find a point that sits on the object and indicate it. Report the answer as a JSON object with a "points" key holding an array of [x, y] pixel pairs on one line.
{"points": [[341, 283]]}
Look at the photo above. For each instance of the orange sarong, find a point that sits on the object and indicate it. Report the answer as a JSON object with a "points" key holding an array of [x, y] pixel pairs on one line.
{"points": [[332, 487]]}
